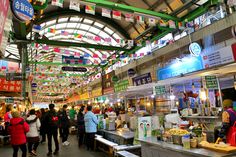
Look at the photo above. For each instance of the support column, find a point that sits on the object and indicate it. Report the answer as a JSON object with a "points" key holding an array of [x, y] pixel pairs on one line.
{"points": [[24, 56]]}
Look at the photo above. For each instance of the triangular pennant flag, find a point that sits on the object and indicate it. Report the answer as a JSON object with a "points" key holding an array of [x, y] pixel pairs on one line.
{"points": [[36, 28], [51, 30], [181, 26], [95, 56], [190, 24], [106, 12], [65, 33], [139, 43], [77, 54], [35, 45], [67, 52], [162, 23], [151, 21], [116, 15], [90, 9], [120, 42], [96, 62], [171, 24], [45, 48], [114, 57], [58, 3], [90, 37], [56, 49], [86, 55], [74, 5], [141, 54], [76, 35], [129, 17], [97, 39], [140, 19], [107, 40], [131, 43], [104, 56]]}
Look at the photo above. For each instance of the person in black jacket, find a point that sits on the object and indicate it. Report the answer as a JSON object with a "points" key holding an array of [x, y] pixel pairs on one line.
{"points": [[43, 126], [51, 120], [64, 123], [80, 126]]}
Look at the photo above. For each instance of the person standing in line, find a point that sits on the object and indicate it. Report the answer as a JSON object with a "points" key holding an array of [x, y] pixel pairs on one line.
{"points": [[64, 123], [7, 117], [43, 126], [33, 134], [80, 126], [51, 120], [91, 123], [72, 114], [17, 130], [60, 128]]}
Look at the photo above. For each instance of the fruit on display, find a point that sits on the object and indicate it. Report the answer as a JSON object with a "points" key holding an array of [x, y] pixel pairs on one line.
{"points": [[179, 132]]}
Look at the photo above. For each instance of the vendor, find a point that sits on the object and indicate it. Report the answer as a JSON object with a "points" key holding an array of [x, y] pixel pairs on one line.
{"points": [[228, 122]]}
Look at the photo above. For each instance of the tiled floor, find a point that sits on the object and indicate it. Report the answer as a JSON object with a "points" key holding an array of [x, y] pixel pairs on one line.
{"points": [[65, 151]]}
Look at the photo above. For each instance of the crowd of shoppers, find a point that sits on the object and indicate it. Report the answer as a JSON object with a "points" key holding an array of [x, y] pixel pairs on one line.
{"points": [[46, 123]]}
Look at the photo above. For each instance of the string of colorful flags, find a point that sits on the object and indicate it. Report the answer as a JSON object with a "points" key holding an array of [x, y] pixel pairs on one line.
{"points": [[90, 8]]}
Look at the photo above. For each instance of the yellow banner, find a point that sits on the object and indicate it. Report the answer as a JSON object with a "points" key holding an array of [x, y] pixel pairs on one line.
{"points": [[97, 92]]}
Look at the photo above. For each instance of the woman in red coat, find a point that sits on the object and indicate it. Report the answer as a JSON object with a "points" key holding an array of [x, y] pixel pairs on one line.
{"points": [[17, 129]]}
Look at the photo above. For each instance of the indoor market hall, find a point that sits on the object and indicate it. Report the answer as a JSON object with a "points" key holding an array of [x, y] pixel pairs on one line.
{"points": [[117, 78]]}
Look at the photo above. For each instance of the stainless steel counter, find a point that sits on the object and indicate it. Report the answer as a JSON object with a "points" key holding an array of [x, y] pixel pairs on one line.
{"points": [[151, 148], [123, 134]]}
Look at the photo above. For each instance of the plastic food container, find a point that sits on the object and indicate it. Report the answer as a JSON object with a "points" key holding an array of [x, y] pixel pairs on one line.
{"points": [[193, 143], [186, 141], [177, 139]]}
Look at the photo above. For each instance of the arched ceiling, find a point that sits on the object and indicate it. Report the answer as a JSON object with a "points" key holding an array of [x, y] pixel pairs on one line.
{"points": [[47, 64]]}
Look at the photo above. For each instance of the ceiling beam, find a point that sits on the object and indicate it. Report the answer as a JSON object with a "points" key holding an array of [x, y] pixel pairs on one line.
{"points": [[122, 7], [84, 45]]}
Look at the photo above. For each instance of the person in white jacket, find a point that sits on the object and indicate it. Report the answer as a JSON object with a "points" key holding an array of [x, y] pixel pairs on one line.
{"points": [[33, 134]]}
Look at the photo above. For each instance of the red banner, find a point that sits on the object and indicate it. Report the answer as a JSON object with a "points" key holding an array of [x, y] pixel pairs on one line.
{"points": [[4, 5], [10, 86]]}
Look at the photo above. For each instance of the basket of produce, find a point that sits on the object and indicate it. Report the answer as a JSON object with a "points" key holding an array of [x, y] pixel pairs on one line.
{"points": [[177, 135]]}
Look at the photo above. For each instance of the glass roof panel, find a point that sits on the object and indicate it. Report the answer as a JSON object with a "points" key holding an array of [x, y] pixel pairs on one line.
{"points": [[98, 24], [76, 19], [50, 22], [61, 25], [63, 19], [94, 30], [116, 36], [108, 30], [88, 21], [84, 26]]}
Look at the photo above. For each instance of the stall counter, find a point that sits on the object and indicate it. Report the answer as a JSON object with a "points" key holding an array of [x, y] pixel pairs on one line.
{"points": [[151, 147], [119, 137]]}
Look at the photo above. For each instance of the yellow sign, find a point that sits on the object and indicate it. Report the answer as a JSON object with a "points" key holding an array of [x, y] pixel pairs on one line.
{"points": [[84, 96], [97, 92]]}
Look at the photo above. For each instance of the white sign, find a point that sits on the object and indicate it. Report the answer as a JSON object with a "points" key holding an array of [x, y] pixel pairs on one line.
{"points": [[195, 49], [217, 57]]}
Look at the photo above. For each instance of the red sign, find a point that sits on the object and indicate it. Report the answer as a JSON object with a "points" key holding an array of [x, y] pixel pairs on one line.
{"points": [[10, 86], [4, 5]]}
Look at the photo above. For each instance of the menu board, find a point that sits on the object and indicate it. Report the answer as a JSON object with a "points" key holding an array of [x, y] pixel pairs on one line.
{"points": [[218, 57], [159, 90], [211, 82]]}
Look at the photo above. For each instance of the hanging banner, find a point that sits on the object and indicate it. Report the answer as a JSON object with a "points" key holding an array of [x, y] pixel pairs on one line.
{"points": [[22, 9], [211, 82], [142, 79], [107, 84], [186, 65], [121, 86], [4, 5], [73, 60], [218, 57], [10, 86]]}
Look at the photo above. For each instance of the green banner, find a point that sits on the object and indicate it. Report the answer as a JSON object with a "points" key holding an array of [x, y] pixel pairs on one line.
{"points": [[159, 90], [121, 86], [211, 82]]}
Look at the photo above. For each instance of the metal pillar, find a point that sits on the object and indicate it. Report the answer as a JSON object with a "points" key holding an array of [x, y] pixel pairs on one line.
{"points": [[23, 51]]}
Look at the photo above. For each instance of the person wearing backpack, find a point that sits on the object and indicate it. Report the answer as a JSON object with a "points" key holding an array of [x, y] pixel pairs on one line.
{"points": [[33, 134], [51, 120], [17, 130]]}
